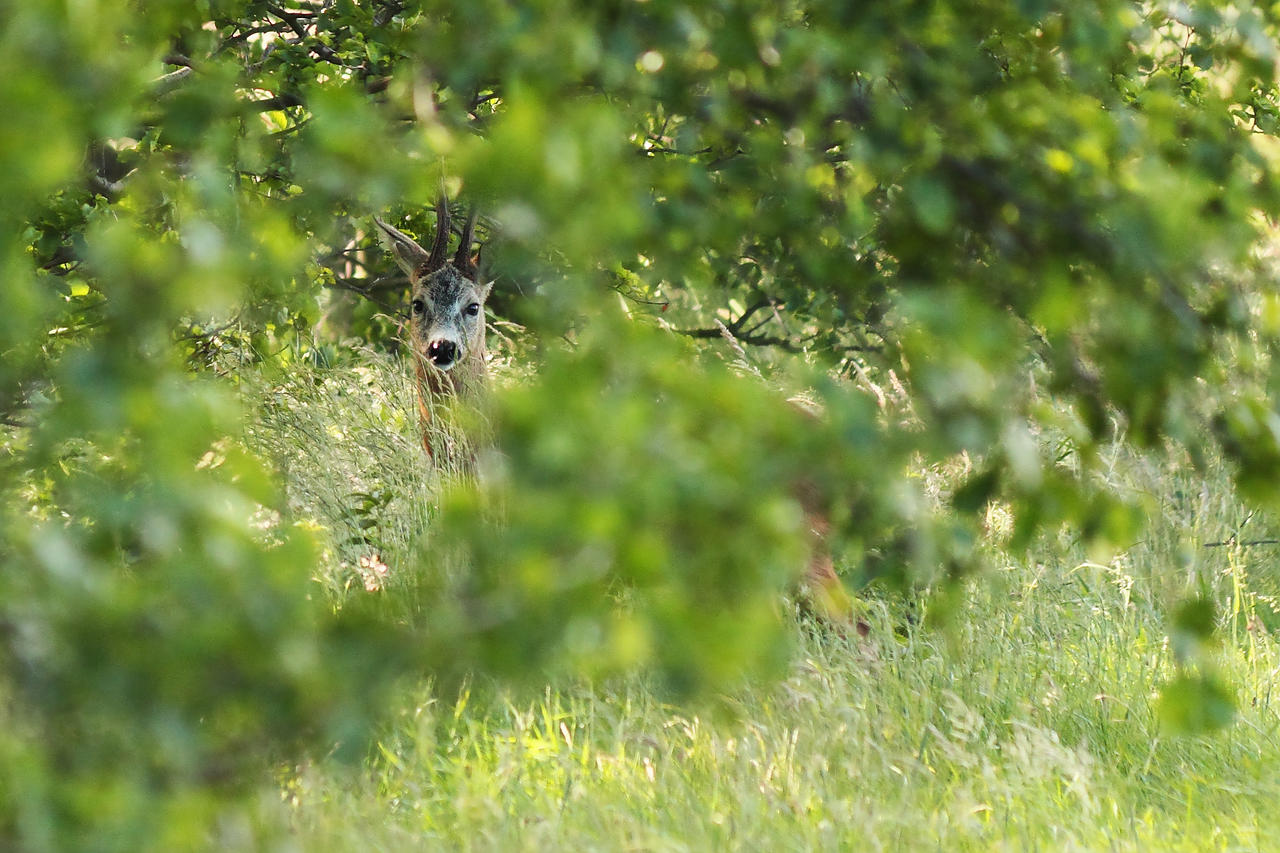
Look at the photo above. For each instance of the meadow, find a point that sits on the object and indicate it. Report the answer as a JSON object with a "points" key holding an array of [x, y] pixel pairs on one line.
{"points": [[1017, 711]]}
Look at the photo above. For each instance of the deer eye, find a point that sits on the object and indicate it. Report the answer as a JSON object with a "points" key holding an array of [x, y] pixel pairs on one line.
{"points": [[473, 309], [419, 306]]}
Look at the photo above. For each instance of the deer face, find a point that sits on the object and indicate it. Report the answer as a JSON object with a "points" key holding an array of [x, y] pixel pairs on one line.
{"points": [[447, 319]]}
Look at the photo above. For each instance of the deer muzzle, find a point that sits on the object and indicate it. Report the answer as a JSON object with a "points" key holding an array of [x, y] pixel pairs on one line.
{"points": [[443, 353]]}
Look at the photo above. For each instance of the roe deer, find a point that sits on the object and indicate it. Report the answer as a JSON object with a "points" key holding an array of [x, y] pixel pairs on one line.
{"points": [[822, 590], [446, 329]]}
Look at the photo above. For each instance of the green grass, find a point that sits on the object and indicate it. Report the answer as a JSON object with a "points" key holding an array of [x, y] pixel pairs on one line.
{"points": [[1026, 722], [1031, 728]]}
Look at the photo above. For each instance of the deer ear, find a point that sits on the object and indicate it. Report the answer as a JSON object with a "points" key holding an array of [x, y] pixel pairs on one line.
{"points": [[408, 254], [485, 290]]}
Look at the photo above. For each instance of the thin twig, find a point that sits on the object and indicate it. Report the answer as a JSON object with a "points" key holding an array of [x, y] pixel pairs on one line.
{"points": [[1248, 543]]}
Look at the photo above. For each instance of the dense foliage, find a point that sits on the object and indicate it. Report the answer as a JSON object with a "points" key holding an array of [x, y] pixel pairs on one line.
{"points": [[998, 234]]}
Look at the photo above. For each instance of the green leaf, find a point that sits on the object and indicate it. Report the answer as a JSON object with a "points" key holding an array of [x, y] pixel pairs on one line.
{"points": [[1195, 704]]}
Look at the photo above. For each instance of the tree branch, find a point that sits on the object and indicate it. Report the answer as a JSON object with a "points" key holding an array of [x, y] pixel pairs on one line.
{"points": [[736, 325], [369, 288], [735, 329], [278, 102], [784, 344], [166, 83], [110, 190], [294, 21]]}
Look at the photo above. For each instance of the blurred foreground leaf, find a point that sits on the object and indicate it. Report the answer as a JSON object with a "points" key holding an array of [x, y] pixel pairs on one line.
{"points": [[1195, 704]]}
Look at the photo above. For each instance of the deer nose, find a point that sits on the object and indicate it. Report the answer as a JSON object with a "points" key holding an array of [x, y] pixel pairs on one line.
{"points": [[442, 353]]}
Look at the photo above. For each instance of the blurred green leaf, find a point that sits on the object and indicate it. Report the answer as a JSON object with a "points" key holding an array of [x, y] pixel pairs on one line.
{"points": [[1195, 705]]}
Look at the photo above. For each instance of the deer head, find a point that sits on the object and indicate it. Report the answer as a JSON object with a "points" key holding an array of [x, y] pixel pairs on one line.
{"points": [[447, 323]]}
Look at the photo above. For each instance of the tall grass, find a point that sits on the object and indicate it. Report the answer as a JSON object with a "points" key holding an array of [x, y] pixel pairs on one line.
{"points": [[345, 444], [1025, 721]]}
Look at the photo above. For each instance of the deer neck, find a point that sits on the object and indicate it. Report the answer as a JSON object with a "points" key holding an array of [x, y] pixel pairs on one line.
{"points": [[439, 390]]}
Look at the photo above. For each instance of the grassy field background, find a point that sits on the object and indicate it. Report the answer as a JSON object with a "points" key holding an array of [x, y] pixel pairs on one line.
{"points": [[1025, 720]]}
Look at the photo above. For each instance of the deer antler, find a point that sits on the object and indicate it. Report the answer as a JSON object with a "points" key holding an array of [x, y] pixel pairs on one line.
{"points": [[463, 260], [440, 248]]}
